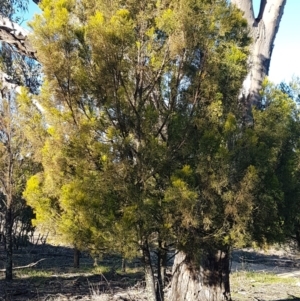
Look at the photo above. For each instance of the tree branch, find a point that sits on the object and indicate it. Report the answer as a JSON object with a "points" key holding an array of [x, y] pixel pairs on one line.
{"points": [[261, 10], [30, 265]]}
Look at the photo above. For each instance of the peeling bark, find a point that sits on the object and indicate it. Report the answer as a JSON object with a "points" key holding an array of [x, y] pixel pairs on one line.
{"points": [[16, 36], [207, 279], [263, 30]]}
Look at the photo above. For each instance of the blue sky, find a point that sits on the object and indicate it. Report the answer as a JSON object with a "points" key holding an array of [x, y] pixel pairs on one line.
{"points": [[32, 9], [285, 61]]}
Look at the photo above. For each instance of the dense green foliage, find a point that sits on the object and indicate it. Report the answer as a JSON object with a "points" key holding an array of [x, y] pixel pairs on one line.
{"points": [[133, 97], [274, 149]]}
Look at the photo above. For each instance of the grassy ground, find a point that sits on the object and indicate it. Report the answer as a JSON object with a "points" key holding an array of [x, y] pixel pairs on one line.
{"points": [[246, 285]]}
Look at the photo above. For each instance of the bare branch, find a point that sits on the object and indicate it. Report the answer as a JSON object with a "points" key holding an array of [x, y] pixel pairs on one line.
{"points": [[30, 265]]}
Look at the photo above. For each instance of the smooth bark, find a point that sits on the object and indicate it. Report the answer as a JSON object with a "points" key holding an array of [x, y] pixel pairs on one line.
{"points": [[263, 29], [203, 279]]}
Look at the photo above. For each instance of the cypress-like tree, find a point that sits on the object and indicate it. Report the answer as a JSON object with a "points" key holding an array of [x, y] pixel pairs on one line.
{"points": [[135, 92]]}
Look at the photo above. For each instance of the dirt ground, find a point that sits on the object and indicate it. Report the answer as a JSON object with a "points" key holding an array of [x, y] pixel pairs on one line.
{"points": [[259, 267], [53, 278]]}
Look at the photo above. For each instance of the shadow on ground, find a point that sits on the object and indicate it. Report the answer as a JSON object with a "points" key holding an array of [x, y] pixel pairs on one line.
{"points": [[81, 287], [291, 260], [54, 276]]}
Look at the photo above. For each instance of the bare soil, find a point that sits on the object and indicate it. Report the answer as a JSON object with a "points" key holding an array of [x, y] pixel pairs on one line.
{"points": [[54, 278]]}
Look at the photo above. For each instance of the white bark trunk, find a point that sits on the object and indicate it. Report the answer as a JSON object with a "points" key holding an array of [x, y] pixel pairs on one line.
{"points": [[13, 34], [263, 29]]}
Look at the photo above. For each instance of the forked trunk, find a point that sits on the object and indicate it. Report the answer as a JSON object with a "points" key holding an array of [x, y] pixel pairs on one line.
{"points": [[206, 280], [263, 30]]}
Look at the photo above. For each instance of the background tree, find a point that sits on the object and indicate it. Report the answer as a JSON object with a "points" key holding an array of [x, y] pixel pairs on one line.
{"points": [[292, 210], [15, 70], [15, 169]]}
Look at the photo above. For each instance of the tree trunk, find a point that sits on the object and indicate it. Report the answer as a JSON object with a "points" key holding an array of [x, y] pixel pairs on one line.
{"points": [[8, 244], [76, 258], [149, 275], [161, 270], [297, 235], [263, 30], [206, 280], [123, 267]]}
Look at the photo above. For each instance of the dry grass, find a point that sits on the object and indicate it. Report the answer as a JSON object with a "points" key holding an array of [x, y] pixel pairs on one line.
{"points": [[249, 285]]}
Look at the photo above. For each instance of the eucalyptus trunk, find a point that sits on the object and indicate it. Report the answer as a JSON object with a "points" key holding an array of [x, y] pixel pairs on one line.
{"points": [[263, 29], [204, 279]]}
